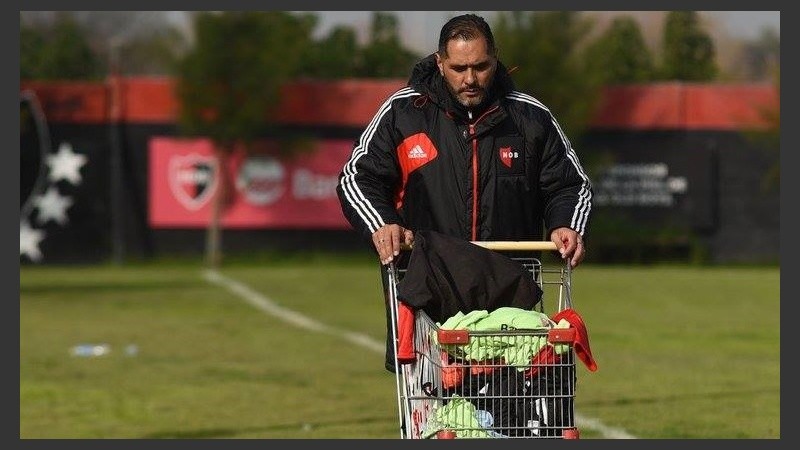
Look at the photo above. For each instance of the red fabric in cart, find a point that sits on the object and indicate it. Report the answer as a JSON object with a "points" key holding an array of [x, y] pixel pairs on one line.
{"points": [[548, 356], [544, 357], [582, 349], [405, 334]]}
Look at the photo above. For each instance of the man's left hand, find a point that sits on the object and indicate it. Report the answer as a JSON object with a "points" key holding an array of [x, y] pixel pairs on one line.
{"points": [[570, 245]]}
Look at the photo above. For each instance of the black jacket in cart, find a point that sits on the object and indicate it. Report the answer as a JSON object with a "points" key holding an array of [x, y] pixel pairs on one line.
{"points": [[502, 171], [447, 275]]}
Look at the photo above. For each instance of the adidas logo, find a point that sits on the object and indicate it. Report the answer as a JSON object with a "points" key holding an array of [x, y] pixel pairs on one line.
{"points": [[417, 152]]}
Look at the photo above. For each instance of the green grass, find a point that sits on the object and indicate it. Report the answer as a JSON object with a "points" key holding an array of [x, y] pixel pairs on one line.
{"points": [[683, 352]]}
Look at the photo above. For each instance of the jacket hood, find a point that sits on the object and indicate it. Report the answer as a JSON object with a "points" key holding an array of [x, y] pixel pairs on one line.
{"points": [[425, 78]]}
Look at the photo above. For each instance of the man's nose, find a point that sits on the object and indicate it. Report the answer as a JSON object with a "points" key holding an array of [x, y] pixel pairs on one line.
{"points": [[469, 76]]}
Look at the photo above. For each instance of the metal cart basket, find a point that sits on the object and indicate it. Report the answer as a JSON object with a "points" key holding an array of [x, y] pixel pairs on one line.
{"points": [[505, 383]]}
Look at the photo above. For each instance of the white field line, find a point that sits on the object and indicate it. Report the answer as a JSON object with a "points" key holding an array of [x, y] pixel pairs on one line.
{"points": [[263, 303], [287, 315]]}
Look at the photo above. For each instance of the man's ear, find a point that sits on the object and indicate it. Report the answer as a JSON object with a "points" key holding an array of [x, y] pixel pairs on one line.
{"points": [[439, 63]]}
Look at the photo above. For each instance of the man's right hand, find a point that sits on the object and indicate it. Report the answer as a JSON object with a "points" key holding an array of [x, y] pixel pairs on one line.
{"points": [[387, 240]]}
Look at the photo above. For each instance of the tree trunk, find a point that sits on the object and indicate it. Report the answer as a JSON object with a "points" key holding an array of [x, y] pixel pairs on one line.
{"points": [[218, 204]]}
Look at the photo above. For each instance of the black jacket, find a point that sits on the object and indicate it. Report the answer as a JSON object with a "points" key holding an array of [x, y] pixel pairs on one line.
{"points": [[503, 174]]}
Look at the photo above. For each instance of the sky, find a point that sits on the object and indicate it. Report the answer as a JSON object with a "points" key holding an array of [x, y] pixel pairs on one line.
{"points": [[420, 28]]}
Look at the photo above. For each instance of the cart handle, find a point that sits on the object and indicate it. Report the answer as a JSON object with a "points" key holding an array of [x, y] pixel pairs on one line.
{"points": [[508, 245], [517, 245]]}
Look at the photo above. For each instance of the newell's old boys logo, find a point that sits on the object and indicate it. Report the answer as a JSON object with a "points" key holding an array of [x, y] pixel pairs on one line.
{"points": [[193, 179], [508, 155]]}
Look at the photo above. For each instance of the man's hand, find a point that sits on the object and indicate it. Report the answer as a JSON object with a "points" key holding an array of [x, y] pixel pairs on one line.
{"points": [[570, 245], [387, 241]]}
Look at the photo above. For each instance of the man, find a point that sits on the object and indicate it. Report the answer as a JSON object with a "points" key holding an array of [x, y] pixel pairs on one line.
{"points": [[460, 152]]}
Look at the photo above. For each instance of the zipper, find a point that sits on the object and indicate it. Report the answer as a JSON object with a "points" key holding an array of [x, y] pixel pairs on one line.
{"points": [[474, 234]]}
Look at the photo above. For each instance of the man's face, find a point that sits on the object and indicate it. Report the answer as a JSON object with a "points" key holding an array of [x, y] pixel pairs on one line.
{"points": [[468, 69]]}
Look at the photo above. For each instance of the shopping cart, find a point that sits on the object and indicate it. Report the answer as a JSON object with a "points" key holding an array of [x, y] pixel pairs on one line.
{"points": [[506, 383]]}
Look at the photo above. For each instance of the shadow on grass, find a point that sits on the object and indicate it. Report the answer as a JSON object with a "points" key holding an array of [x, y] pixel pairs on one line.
{"points": [[231, 432]]}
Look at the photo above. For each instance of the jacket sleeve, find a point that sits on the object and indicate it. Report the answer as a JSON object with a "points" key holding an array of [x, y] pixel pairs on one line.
{"points": [[566, 187], [369, 179]]}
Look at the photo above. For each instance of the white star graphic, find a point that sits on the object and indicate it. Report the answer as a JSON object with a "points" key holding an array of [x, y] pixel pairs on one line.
{"points": [[52, 206], [65, 164], [29, 240]]}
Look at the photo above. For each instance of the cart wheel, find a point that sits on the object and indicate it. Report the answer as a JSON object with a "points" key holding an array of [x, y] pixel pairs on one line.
{"points": [[571, 433], [446, 434]]}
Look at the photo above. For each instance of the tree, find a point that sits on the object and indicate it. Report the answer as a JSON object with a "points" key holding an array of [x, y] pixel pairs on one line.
{"points": [[145, 42], [228, 85], [546, 47], [384, 56], [335, 56], [31, 48], [58, 51], [620, 55], [770, 137], [688, 50], [155, 54], [138, 42], [761, 56]]}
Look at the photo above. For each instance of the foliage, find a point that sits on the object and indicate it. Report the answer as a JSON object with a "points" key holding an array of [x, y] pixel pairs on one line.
{"points": [[338, 55], [688, 51], [31, 45], [384, 56], [149, 42], [761, 56], [230, 80], [128, 42], [335, 56], [770, 138], [139, 42], [620, 54], [772, 179], [155, 54], [547, 49], [60, 51]]}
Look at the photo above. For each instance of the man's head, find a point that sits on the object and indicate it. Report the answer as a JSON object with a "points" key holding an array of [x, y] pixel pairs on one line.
{"points": [[467, 58]]}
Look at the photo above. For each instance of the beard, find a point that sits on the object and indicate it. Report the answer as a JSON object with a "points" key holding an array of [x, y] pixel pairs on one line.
{"points": [[469, 102], [473, 101], [464, 100]]}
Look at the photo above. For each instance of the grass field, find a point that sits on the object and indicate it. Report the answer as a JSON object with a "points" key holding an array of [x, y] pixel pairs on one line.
{"points": [[683, 352]]}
